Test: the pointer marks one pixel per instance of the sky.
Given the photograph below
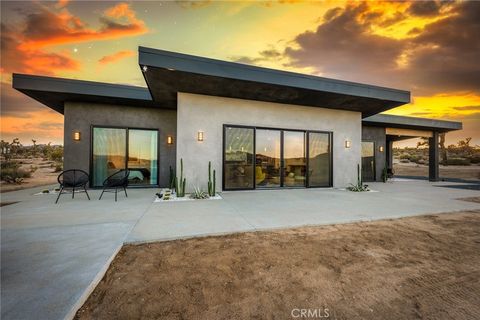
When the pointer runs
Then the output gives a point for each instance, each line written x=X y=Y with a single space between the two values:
x=429 y=48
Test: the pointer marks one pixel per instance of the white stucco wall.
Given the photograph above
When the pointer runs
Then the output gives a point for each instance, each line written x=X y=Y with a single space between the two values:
x=209 y=114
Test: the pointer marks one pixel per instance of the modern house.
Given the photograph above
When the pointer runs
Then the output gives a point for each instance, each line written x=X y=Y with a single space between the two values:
x=260 y=128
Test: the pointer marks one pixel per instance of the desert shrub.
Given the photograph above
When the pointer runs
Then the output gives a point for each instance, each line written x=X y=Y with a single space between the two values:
x=415 y=158
x=58 y=168
x=475 y=158
x=56 y=154
x=404 y=156
x=458 y=162
x=404 y=161
x=11 y=171
x=33 y=168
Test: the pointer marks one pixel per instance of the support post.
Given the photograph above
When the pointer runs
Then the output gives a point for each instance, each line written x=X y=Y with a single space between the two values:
x=433 y=160
x=389 y=154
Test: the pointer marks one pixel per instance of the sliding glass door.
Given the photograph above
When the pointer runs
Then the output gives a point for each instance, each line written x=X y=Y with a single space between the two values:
x=268 y=158
x=114 y=149
x=283 y=158
x=294 y=160
x=142 y=156
x=319 y=159
x=238 y=165
x=109 y=153
x=368 y=161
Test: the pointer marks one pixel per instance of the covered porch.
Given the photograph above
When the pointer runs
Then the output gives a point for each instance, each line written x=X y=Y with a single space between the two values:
x=399 y=128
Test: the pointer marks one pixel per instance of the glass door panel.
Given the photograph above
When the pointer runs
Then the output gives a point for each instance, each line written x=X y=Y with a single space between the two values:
x=319 y=158
x=267 y=162
x=295 y=163
x=368 y=161
x=143 y=157
x=238 y=157
x=109 y=153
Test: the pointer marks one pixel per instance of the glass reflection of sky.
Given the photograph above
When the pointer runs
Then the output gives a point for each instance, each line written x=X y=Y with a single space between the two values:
x=294 y=144
x=268 y=143
x=319 y=144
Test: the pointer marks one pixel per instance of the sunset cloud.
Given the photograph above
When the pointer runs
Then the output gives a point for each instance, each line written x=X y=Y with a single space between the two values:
x=49 y=28
x=116 y=57
x=25 y=46
x=442 y=56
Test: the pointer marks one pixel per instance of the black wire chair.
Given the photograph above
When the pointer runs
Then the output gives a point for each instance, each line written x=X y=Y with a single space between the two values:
x=118 y=180
x=74 y=180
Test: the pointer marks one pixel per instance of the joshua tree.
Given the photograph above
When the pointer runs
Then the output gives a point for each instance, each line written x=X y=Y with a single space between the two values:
x=34 y=152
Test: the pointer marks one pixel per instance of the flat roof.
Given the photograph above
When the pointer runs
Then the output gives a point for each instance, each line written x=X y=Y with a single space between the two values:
x=54 y=92
x=403 y=122
x=170 y=72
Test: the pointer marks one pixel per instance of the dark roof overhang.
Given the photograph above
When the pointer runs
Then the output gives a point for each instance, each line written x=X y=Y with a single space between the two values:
x=167 y=73
x=402 y=122
x=54 y=92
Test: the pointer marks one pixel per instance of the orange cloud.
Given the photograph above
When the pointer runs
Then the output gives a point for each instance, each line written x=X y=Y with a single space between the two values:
x=116 y=56
x=25 y=50
x=48 y=28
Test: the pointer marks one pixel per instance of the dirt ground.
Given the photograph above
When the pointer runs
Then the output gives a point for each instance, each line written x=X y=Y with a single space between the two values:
x=471 y=172
x=43 y=176
x=412 y=268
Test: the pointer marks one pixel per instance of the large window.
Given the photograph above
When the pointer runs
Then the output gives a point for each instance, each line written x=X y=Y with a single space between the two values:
x=114 y=149
x=295 y=162
x=273 y=158
x=142 y=156
x=238 y=169
x=267 y=159
x=319 y=159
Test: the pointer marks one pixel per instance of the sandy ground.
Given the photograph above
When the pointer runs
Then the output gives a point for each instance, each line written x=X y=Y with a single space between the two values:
x=43 y=176
x=471 y=172
x=421 y=267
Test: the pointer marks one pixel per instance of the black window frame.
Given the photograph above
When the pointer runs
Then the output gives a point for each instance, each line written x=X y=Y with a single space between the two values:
x=90 y=170
x=282 y=173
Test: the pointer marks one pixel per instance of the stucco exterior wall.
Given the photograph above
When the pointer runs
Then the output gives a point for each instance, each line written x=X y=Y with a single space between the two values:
x=377 y=135
x=80 y=116
x=208 y=114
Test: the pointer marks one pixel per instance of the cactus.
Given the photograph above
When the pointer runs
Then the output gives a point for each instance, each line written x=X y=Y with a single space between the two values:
x=359 y=187
x=180 y=185
x=211 y=184
x=172 y=178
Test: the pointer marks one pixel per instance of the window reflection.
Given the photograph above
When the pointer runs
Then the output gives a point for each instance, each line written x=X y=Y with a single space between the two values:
x=319 y=159
x=267 y=164
x=294 y=158
x=238 y=164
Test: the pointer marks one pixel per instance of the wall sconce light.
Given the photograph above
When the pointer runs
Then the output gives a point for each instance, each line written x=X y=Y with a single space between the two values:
x=200 y=135
x=347 y=143
x=169 y=140
x=76 y=136
x=381 y=148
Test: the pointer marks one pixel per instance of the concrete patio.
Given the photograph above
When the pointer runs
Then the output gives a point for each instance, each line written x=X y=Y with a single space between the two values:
x=53 y=255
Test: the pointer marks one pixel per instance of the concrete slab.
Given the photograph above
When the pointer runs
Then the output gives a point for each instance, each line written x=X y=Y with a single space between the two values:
x=53 y=255
x=270 y=209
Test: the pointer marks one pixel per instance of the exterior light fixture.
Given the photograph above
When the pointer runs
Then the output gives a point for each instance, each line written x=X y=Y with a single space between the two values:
x=169 y=140
x=76 y=136
x=144 y=68
x=200 y=135
x=380 y=149
x=348 y=143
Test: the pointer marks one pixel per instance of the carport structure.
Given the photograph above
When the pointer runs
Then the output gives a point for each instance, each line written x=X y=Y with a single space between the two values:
x=401 y=128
